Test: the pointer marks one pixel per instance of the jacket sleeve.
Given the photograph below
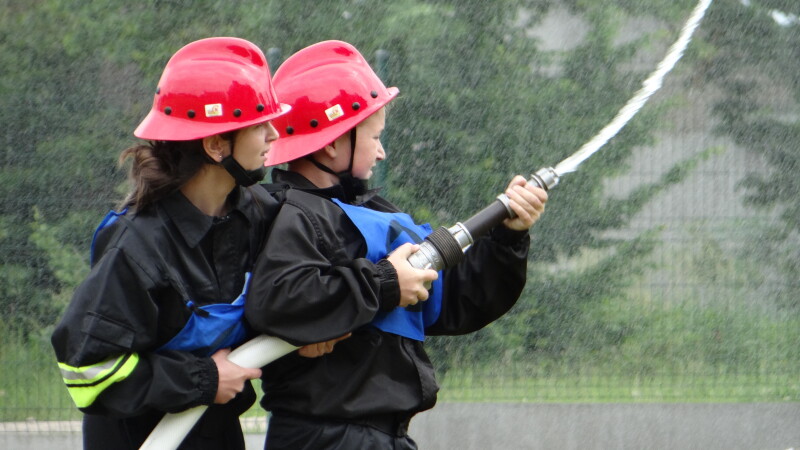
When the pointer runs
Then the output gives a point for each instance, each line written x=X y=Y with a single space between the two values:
x=105 y=345
x=306 y=289
x=485 y=285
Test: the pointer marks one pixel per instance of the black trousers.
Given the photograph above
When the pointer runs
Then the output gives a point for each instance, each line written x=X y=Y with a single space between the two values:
x=293 y=432
x=100 y=433
x=218 y=429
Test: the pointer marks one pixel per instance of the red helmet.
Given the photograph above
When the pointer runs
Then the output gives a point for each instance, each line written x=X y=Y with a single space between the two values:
x=331 y=89
x=208 y=87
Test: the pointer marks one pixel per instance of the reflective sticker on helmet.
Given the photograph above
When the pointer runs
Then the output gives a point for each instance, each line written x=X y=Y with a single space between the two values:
x=334 y=112
x=214 y=110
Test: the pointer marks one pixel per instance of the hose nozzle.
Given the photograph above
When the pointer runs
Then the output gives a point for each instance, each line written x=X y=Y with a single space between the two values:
x=545 y=178
x=445 y=247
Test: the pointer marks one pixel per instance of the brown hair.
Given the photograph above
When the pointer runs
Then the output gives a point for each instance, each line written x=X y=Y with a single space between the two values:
x=158 y=168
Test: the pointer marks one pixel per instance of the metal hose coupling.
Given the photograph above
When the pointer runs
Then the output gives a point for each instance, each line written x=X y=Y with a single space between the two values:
x=443 y=248
x=545 y=178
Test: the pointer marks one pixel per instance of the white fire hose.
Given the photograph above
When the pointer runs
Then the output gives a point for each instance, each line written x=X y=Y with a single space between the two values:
x=253 y=354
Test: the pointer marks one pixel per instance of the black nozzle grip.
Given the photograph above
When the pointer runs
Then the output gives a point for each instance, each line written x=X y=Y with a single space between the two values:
x=486 y=219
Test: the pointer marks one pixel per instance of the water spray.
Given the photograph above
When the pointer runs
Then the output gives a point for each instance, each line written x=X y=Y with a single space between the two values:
x=445 y=247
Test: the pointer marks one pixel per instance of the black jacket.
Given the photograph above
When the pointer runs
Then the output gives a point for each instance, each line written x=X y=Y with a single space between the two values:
x=126 y=308
x=312 y=283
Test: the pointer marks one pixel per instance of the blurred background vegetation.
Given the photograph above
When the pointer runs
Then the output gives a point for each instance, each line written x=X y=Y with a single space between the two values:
x=665 y=269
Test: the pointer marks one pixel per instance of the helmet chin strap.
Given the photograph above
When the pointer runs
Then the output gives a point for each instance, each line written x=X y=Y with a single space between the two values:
x=353 y=187
x=242 y=176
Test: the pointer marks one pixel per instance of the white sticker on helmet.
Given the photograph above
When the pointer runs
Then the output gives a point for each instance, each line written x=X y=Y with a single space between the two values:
x=334 y=112
x=214 y=110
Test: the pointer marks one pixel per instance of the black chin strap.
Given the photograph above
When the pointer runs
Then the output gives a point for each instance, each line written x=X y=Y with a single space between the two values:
x=242 y=176
x=320 y=166
x=353 y=187
x=349 y=171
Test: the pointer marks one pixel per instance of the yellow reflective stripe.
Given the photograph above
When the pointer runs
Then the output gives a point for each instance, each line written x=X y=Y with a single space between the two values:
x=88 y=374
x=85 y=384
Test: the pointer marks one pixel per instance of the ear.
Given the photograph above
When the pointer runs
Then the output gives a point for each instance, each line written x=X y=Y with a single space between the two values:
x=215 y=147
x=330 y=150
x=336 y=147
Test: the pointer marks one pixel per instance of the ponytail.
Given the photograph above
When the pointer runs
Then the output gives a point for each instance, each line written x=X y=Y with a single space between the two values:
x=159 y=168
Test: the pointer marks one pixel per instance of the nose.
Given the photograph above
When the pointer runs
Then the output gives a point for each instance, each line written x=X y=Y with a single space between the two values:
x=272 y=133
x=381 y=152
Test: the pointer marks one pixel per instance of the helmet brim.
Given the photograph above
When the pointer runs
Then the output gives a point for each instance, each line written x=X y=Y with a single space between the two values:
x=158 y=126
x=288 y=148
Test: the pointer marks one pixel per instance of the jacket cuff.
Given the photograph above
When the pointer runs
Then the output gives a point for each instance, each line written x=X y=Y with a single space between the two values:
x=208 y=381
x=389 y=286
x=511 y=238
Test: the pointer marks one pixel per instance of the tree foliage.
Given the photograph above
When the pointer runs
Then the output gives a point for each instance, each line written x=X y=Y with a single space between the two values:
x=754 y=58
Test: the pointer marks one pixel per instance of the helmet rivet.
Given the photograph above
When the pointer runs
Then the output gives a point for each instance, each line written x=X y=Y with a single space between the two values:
x=237 y=112
x=289 y=130
x=314 y=123
x=356 y=106
x=374 y=94
x=167 y=110
x=190 y=113
x=260 y=107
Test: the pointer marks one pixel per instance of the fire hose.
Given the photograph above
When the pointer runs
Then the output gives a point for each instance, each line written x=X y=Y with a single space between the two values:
x=445 y=247
x=255 y=353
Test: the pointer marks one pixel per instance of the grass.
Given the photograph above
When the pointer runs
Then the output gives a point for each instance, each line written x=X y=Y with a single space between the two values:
x=31 y=388
x=30 y=384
